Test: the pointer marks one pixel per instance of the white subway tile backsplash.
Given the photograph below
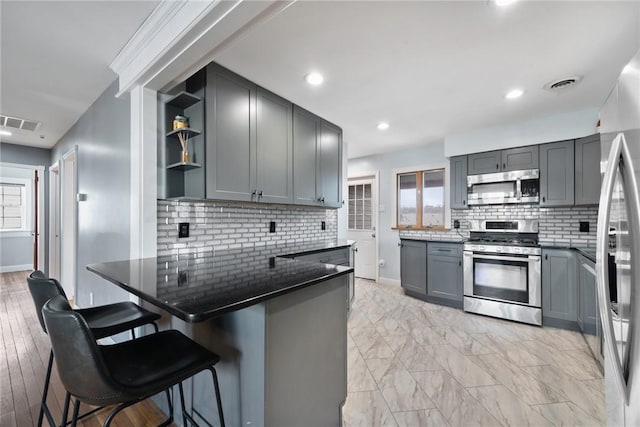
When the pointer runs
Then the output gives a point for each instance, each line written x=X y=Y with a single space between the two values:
x=229 y=225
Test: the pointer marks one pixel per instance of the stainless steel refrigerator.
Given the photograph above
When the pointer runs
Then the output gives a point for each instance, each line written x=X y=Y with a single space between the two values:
x=618 y=251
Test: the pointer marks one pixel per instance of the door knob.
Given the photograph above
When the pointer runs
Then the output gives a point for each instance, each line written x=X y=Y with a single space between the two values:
x=373 y=234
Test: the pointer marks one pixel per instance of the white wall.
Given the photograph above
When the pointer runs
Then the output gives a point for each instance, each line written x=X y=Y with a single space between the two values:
x=535 y=131
x=429 y=156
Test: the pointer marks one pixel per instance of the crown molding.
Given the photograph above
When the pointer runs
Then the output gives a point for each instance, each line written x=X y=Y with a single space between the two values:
x=179 y=36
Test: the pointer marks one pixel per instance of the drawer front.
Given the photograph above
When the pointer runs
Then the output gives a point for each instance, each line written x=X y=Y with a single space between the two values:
x=445 y=249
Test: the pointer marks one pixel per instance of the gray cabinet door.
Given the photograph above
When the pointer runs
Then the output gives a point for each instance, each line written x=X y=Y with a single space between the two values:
x=557 y=174
x=444 y=271
x=587 y=312
x=305 y=144
x=231 y=135
x=458 y=179
x=588 y=170
x=274 y=135
x=330 y=165
x=520 y=158
x=413 y=266
x=559 y=286
x=488 y=162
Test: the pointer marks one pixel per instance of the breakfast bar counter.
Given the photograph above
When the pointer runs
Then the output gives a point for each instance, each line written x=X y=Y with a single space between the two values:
x=279 y=325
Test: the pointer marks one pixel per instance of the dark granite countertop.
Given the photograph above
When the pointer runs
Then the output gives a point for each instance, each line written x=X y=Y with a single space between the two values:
x=206 y=284
x=588 y=252
x=432 y=240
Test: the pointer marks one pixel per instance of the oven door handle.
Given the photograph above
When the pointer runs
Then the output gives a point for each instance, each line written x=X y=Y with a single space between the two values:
x=527 y=258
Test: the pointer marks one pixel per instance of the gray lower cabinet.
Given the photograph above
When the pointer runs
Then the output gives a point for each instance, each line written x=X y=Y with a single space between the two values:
x=317 y=160
x=587 y=299
x=559 y=288
x=458 y=182
x=487 y=162
x=557 y=176
x=274 y=140
x=444 y=273
x=587 y=173
x=520 y=158
x=413 y=266
x=231 y=135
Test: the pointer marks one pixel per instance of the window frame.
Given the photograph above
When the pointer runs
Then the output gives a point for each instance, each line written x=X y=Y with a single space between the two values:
x=419 y=171
x=26 y=206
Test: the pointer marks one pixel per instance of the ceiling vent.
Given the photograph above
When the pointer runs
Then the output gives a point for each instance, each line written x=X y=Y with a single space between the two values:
x=562 y=84
x=17 y=123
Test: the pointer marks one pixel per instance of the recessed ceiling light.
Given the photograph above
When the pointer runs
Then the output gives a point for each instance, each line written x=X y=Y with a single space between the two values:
x=5 y=132
x=314 y=79
x=513 y=94
x=503 y=3
x=383 y=126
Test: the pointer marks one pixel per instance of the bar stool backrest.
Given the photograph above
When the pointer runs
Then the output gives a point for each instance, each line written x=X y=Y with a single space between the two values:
x=78 y=357
x=42 y=289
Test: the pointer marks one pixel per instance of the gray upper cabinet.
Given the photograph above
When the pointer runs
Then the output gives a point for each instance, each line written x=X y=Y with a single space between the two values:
x=413 y=266
x=317 y=160
x=520 y=158
x=444 y=273
x=587 y=174
x=557 y=174
x=559 y=288
x=274 y=137
x=231 y=135
x=305 y=145
x=330 y=165
x=458 y=180
x=488 y=162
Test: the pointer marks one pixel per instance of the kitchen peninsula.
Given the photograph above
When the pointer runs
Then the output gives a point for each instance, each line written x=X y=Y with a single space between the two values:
x=279 y=325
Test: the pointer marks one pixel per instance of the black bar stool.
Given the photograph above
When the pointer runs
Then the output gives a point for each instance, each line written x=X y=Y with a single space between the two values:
x=103 y=321
x=125 y=373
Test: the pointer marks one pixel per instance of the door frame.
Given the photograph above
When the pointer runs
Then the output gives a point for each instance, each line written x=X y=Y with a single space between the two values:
x=40 y=207
x=54 y=220
x=374 y=175
x=70 y=156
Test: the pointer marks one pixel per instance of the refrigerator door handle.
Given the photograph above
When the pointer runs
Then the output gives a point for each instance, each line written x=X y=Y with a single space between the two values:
x=619 y=153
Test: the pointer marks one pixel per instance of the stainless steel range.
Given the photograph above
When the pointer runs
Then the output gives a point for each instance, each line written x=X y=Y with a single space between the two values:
x=502 y=270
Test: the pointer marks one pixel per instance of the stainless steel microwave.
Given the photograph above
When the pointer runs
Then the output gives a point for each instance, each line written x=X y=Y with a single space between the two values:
x=521 y=186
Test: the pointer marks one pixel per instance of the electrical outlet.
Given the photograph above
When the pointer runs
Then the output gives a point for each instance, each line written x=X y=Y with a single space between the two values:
x=323 y=225
x=272 y=227
x=456 y=223
x=584 y=226
x=183 y=229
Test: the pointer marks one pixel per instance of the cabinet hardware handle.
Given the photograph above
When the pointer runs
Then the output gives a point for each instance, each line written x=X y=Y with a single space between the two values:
x=546 y=256
x=544 y=198
x=355 y=249
x=322 y=200
x=399 y=245
x=459 y=263
x=504 y=166
x=253 y=194
x=464 y=202
x=497 y=166
x=260 y=193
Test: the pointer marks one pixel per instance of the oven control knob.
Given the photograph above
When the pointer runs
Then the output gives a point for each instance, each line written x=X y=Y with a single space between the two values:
x=481 y=248
x=498 y=249
x=517 y=250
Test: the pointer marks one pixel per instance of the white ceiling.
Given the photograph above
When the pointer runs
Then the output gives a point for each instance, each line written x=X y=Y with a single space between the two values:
x=430 y=69
x=55 y=58
x=435 y=68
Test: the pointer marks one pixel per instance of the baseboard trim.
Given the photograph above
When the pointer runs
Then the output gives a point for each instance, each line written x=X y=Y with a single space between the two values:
x=388 y=281
x=12 y=268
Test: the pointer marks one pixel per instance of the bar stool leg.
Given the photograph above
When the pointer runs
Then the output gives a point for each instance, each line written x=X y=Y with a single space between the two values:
x=76 y=409
x=65 y=410
x=184 y=410
x=218 y=399
x=45 y=392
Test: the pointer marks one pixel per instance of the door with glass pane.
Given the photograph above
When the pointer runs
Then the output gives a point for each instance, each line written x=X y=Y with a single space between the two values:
x=362 y=225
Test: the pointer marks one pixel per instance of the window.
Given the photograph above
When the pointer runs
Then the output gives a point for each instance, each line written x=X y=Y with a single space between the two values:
x=420 y=199
x=360 y=207
x=12 y=209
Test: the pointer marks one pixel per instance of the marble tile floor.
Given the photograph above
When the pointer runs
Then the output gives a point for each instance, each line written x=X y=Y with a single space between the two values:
x=411 y=363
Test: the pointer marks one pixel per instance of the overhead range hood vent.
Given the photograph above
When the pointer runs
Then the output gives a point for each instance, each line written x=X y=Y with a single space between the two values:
x=18 y=123
x=562 y=84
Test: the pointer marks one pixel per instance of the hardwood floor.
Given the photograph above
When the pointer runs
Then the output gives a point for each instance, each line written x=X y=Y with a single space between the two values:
x=24 y=353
